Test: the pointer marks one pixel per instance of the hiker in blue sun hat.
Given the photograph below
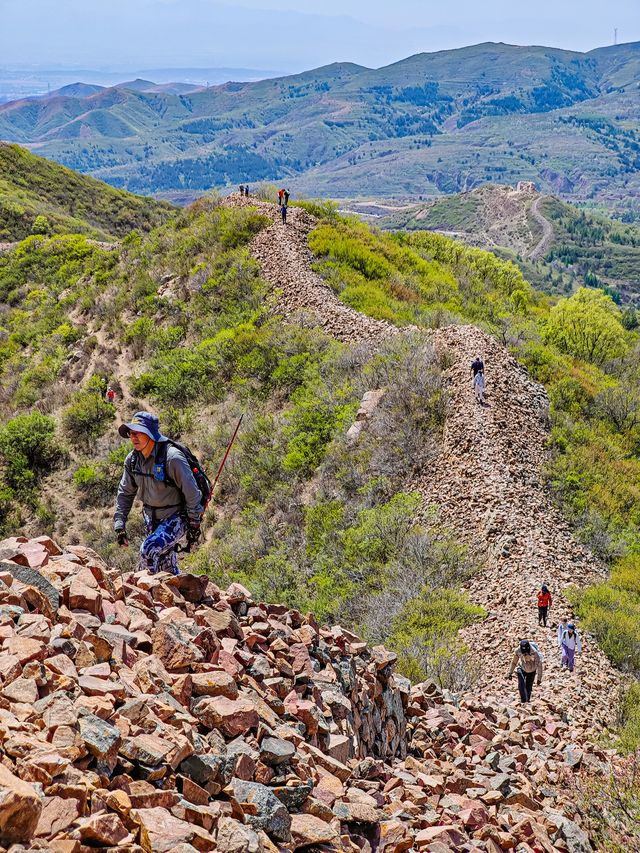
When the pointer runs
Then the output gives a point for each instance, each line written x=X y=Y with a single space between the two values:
x=159 y=472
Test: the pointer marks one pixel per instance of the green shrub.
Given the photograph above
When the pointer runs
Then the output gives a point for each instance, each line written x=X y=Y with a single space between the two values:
x=630 y=718
x=611 y=612
x=87 y=417
x=587 y=325
x=97 y=482
x=29 y=450
x=425 y=636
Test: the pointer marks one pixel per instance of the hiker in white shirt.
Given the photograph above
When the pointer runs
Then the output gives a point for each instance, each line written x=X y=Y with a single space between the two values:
x=570 y=644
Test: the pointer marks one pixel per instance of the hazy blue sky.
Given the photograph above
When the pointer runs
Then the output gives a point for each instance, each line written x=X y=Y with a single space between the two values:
x=291 y=34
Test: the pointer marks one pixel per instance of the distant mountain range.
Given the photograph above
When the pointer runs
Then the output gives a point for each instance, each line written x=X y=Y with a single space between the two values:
x=430 y=124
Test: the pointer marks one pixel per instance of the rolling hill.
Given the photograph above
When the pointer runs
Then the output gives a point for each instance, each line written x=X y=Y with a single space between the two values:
x=66 y=202
x=558 y=246
x=430 y=124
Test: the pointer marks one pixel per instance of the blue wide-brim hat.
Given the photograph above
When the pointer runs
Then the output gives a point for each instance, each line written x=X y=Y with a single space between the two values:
x=143 y=422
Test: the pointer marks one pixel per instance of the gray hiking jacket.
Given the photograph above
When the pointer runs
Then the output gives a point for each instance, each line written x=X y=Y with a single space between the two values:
x=160 y=499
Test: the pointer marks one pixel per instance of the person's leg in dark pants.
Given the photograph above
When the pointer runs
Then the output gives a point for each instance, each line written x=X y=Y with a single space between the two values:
x=522 y=685
x=542 y=616
x=525 y=684
x=529 y=678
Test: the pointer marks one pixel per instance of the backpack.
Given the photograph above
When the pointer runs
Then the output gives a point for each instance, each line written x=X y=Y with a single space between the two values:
x=202 y=481
x=536 y=648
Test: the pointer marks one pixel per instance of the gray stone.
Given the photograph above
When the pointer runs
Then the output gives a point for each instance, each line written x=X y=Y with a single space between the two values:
x=101 y=739
x=272 y=815
x=274 y=751
x=203 y=769
x=573 y=755
x=32 y=577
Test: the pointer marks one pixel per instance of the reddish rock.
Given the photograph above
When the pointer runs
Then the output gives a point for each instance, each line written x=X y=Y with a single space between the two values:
x=307 y=830
x=20 y=808
x=214 y=684
x=103 y=830
x=232 y=716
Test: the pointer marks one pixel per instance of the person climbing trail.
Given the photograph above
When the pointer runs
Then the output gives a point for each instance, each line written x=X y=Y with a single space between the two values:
x=283 y=211
x=528 y=660
x=286 y=197
x=160 y=474
x=570 y=643
x=544 y=603
x=246 y=191
x=110 y=395
x=241 y=189
x=280 y=197
x=477 y=366
x=479 y=386
x=562 y=627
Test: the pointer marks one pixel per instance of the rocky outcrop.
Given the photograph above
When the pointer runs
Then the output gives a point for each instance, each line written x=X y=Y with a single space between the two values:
x=160 y=713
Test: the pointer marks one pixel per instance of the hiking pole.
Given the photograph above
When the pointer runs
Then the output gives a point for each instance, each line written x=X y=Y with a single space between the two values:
x=193 y=541
x=227 y=452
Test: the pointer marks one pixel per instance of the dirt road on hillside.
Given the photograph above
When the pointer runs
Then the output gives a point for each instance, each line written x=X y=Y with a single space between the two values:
x=544 y=244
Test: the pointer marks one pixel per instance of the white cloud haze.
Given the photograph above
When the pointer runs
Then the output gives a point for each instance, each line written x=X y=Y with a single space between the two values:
x=290 y=34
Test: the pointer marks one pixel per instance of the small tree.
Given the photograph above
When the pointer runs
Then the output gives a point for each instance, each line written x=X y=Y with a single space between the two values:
x=40 y=225
x=29 y=450
x=587 y=325
x=86 y=418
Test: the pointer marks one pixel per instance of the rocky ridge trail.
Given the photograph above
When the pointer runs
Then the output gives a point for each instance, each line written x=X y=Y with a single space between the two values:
x=161 y=714
x=487 y=483
x=285 y=260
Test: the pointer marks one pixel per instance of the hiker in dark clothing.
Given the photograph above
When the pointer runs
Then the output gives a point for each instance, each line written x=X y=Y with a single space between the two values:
x=529 y=662
x=246 y=191
x=477 y=366
x=286 y=197
x=241 y=189
x=544 y=603
x=283 y=211
x=172 y=502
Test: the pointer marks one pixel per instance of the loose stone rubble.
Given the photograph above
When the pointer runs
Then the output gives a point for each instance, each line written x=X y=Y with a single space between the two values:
x=160 y=713
x=486 y=483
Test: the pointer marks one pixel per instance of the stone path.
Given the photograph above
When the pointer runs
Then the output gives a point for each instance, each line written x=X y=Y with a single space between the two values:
x=486 y=482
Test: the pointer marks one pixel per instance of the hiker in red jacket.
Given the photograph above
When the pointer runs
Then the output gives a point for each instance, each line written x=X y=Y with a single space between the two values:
x=544 y=603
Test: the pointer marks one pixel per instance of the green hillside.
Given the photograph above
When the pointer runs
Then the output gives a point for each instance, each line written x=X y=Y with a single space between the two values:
x=38 y=196
x=179 y=321
x=584 y=246
x=430 y=124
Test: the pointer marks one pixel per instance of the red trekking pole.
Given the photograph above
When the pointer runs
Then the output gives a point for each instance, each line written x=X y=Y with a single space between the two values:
x=227 y=452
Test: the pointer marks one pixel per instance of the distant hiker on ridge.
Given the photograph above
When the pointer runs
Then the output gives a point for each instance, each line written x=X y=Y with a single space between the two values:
x=570 y=643
x=241 y=189
x=286 y=197
x=479 y=386
x=246 y=191
x=544 y=603
x=280 y=197
x=529 y=662
x=477 y=366
x=172 y=499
